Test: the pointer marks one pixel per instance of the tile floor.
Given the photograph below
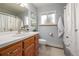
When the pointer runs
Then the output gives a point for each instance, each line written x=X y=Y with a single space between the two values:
x=50 y=51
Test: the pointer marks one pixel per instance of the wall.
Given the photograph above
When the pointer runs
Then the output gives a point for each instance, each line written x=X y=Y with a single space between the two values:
x=45 y=30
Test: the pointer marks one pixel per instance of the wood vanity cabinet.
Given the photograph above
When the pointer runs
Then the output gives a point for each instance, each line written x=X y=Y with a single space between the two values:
x=26 y=47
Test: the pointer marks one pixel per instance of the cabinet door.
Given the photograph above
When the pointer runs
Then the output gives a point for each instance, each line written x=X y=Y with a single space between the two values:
x=29 y=51
x=36 y=45
x=15 y=50
x=28 y=42
x=5 y=53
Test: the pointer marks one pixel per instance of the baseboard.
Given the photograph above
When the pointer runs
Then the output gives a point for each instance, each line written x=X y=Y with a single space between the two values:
x=53 y=46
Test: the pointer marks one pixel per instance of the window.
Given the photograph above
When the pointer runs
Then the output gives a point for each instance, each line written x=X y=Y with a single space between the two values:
x=43 y=19
x=48 y=19
x=51 y=18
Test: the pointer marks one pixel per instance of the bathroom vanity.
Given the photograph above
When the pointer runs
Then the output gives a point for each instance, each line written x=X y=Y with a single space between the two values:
x=20 y=45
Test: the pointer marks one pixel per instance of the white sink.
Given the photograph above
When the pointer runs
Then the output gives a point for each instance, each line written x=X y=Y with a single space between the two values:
x=21 y=35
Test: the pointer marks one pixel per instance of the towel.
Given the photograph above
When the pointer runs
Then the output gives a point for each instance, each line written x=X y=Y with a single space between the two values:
x=60 y=27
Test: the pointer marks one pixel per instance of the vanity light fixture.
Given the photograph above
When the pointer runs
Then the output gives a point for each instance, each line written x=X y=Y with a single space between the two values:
x=23 y=5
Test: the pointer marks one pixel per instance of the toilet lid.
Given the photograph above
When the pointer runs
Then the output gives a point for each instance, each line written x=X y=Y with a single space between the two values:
x=42 y=40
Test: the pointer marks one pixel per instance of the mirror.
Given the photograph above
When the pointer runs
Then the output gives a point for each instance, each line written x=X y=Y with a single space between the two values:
x=11 y=17
x=33 y=21
x=9 y=22
x=30 y=21
x=25 y=18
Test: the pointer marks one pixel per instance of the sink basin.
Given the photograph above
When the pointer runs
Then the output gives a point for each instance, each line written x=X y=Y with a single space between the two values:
x=21 y=35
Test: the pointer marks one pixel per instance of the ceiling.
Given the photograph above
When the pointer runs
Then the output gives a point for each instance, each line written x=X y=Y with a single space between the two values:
x=40 y=5
x=12 y=7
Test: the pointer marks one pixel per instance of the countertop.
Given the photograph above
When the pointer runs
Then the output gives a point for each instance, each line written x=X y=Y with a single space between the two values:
x=6 y=40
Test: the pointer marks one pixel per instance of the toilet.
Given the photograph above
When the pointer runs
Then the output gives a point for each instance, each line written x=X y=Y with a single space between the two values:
x=42 y=41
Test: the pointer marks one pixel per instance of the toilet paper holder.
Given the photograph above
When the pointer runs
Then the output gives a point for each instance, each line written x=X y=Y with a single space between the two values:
x=51 y=34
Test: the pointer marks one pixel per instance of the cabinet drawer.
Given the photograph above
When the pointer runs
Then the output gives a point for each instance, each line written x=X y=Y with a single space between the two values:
x=29 y=51
x=14 y=50
x=28 y=42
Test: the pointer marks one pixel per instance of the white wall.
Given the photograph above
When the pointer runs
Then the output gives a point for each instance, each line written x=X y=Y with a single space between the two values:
x=45 y=30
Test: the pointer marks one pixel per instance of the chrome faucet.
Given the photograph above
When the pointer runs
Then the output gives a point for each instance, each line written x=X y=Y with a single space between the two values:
x=24 y=28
